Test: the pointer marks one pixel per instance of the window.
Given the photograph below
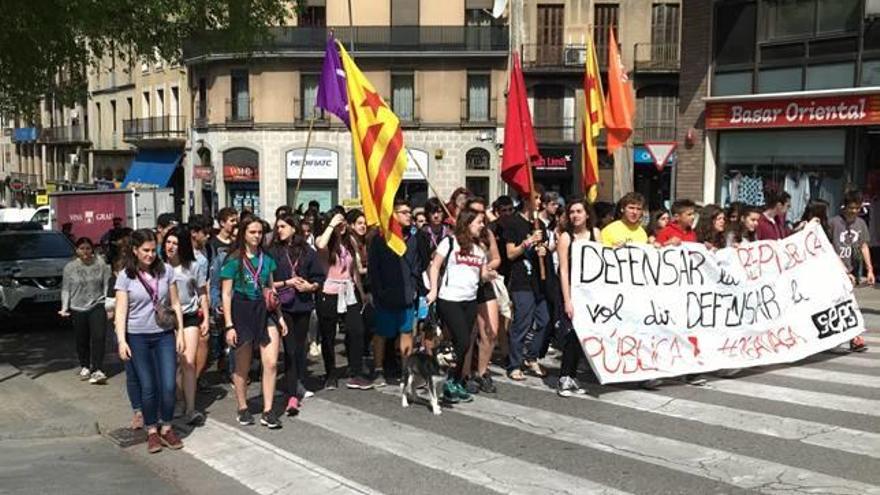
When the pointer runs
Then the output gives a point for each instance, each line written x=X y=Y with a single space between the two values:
x=309 y=97
x=113 y=114
x=871 y=73
x=735 y=33
x=799 y=18
x=479 y=16
x=130 y=107
x=830 y=76
x=780 y=80
x=313 y=16
x=240 y=97
x=551 y=20
x=160 y=102
x=657 y=108
x=477 y=159
x=98 y=118
x=404 y=12
x=202 y=106
x=478 y=97
x=664 y=28
x=604 y=18
x=478 y=186
x=838 y=15
x=145 y=104
x=403 y=96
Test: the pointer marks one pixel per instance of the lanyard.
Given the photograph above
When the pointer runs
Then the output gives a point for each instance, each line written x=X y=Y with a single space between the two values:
x=254 y=273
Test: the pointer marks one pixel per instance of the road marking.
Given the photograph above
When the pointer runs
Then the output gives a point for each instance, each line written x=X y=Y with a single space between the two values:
x=483 y=467
x=718 y=465
x=809 y=432
x=821 y=375
x=871 y=339
x=858 y=362
x=821 y=400
x=261 y=466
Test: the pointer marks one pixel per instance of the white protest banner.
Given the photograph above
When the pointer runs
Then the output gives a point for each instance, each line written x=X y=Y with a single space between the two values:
x=643 y=313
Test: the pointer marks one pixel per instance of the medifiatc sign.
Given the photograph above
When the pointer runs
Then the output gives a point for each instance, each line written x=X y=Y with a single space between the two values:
x=643 y=313
x=797 y=112
x=321 y=163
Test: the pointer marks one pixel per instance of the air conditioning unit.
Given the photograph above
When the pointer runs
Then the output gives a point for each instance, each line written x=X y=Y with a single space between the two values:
x=575 y=56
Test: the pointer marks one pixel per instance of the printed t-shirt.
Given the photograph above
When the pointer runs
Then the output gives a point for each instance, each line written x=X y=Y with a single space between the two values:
x=848 y=239
x=461 y=279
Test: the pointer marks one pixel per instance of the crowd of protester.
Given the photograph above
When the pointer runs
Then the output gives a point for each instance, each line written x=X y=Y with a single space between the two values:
x=222 y=291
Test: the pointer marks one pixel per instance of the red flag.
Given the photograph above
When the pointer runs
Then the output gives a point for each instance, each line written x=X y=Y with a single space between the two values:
x=620 y=105
x=520 y=148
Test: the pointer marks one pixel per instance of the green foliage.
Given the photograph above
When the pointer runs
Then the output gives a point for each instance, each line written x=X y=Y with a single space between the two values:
x=47 y=46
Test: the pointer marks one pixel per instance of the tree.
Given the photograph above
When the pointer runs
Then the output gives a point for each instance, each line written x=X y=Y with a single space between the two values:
x=47 y=46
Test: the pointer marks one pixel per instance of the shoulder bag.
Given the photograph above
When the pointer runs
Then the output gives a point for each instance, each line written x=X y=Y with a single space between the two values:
x=166 y=319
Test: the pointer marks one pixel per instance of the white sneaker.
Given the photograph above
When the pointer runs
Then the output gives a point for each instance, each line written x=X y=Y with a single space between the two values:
x=85 y=374
x=98 y=378
x=566 y=387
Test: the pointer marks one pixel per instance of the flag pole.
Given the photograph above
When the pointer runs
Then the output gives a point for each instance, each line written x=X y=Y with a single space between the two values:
x=430 y=186
x=302 y=165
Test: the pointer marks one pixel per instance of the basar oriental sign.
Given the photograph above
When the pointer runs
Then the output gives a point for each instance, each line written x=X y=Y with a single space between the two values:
x=795 y=112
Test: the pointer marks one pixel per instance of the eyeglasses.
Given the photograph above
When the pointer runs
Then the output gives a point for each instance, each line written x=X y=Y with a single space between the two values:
x=404 y=212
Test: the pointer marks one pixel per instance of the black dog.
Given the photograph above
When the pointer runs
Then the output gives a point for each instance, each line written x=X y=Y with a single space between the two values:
x=421 y=368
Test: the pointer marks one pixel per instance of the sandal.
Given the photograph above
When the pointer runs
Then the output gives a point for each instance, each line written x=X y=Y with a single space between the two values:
x=516 y=375
x=137 y=421
x=535 y=369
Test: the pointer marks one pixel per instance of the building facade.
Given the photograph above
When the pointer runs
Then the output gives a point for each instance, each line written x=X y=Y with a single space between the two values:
x=555 y=35
x=780 y=96
x=440 y=66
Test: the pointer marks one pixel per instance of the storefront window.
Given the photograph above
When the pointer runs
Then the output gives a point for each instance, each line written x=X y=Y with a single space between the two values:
x=732 y=83
x=241 y=173
x=871 y=73
x=808 y=164
x=780 y=80
x=831 y=76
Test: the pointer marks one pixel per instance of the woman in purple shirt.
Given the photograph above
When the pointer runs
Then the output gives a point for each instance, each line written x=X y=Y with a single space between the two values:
x=145 y=285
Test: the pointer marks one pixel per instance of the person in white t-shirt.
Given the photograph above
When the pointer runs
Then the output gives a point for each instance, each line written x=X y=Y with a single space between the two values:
x=463 y=263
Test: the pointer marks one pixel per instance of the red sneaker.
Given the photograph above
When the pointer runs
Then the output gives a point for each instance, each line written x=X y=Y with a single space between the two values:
x=858 y=344
x=154 y=443
x=171 y=440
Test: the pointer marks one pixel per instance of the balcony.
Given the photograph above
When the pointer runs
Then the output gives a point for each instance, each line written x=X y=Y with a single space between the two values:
x=164 y=128
x=555 y=57
x=240 y=112
x=656 y=57
x=437 y=41
x=562 y=131
x=649 y=133
x=478 y=116
x=303 y=114
x=68 y=134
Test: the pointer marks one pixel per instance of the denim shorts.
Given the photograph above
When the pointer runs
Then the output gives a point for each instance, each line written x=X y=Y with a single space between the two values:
x=390 y=323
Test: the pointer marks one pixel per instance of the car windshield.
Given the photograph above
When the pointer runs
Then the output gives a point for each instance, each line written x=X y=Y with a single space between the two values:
x=33 y=245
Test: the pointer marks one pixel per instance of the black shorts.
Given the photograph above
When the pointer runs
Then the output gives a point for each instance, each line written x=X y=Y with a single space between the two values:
x=486 y=292
x=250 y=318
x=191 y=320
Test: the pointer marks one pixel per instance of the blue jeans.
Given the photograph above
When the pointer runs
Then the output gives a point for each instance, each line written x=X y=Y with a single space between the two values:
x=133 y=387
x=529 y=311
x=154 y=358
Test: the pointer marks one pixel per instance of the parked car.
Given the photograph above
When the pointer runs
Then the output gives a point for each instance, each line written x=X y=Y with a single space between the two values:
x=31 y=266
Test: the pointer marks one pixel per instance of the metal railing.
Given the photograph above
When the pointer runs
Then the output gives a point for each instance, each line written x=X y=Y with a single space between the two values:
x=563 y=130
x=656 y=57
x=555 y=56
x=64 y=134
x=648 y=133
x=240 y=111
x=474 y=116
x=164 y=127
x=365 y=39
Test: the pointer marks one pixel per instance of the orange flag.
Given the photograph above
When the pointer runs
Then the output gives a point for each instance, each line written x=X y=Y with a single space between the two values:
x=620 y=104
x=593 y=123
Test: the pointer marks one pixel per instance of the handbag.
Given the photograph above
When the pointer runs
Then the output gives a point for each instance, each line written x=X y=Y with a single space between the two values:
x=270 y=297
x=286 y=295
x=166 y=319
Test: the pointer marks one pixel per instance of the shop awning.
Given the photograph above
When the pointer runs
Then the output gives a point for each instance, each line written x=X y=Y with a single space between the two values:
x=151 y=168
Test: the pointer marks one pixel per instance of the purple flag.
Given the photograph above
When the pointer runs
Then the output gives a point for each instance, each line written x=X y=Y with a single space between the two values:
x=332 y=91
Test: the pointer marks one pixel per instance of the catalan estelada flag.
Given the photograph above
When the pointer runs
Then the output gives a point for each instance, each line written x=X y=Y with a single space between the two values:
x=594 y=121
x=379 y=154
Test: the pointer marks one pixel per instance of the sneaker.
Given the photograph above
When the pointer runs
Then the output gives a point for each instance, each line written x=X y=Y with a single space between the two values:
x=137 y=421
x=651 y=384
x=195 y=418
x=84 y=374
x=292 y=408
x=202 y=384
x=98 y=378
x=534 y=368
x=858 y=344
x=378 y=379
x=359 y=383
x=154 y=443
x=695 y=380
x=330 y=383
x=245 y=417
x=487 y=385
x=473 y=384
x=270 y=420
x=460 y=393
x=314 y=350
x=449 y=392
x=171 y=440
x=566 y=386
x=308 y=394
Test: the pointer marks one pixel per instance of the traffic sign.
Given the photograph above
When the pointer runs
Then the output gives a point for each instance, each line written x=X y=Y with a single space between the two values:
x=660 y=152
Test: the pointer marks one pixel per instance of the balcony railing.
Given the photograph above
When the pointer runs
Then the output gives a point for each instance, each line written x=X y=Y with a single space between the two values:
x=564 y=130
x=64 y=134
x=542 y=56
x=414 y=39
x=656 y=57
x=240 y=111
x=478 y=115
x=303 y=114
x=648 y=133
x=165 y=127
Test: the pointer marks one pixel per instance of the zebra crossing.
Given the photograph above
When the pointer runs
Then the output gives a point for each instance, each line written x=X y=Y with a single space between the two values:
x=740 y=435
